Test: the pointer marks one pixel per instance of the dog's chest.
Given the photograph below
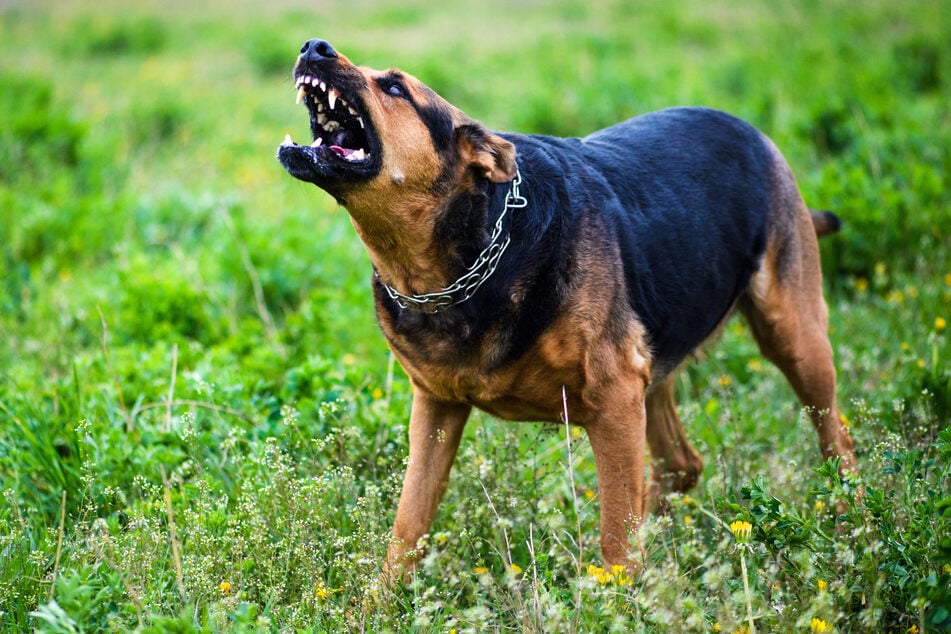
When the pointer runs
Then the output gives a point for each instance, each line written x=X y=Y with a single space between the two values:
x=566 y=367
x=515 y=393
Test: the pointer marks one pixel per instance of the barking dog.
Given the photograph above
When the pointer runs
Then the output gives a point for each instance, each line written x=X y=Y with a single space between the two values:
x=508 y=268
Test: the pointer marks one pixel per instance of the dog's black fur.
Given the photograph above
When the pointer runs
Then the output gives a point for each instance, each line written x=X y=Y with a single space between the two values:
x=635 y=244
x=683 y=192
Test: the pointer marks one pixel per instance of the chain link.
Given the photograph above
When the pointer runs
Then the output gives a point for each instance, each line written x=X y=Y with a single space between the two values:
x=480 y=271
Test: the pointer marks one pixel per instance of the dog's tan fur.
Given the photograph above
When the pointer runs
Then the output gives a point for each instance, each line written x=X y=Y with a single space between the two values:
x=613 y=390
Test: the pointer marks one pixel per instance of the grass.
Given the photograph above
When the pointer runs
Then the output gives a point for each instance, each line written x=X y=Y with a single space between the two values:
x=202 y=430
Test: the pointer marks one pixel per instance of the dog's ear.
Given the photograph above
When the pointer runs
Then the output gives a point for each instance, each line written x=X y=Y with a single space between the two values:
x=489 y=155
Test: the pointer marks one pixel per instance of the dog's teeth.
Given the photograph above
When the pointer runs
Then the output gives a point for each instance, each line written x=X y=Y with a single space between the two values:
x=317 y=142
x=323 y=86
x=332 y=97
x=321 y=119
x=314 y=82
x=320 y=106
x=359 y=155
x=352 y=111
x=360 y=119
x=301 y=94
x=287 y=140
x=332 y=126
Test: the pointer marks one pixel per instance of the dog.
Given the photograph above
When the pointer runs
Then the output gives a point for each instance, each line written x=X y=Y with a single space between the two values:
x=527 y=275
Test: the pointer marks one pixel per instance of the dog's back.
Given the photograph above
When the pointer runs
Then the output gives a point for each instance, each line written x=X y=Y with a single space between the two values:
x=686 y=195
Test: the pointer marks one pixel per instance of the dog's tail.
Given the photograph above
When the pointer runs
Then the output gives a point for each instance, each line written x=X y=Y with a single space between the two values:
x=825 y=222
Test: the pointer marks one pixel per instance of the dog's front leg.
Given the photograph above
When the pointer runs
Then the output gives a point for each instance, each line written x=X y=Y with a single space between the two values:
x=435 y=428
x=618 y=441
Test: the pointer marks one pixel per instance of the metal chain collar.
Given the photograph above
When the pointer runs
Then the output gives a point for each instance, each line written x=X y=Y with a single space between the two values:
x=481 y=270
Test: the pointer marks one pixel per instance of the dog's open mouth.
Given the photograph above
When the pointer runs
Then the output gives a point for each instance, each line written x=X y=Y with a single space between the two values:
x=341 y=134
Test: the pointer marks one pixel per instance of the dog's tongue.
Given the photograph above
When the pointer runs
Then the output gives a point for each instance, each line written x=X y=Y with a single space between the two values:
x=341 y=151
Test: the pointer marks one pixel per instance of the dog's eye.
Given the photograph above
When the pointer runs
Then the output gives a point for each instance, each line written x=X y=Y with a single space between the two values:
x=396 y=89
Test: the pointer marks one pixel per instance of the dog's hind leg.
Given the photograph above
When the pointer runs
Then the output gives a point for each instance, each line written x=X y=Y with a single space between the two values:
x=789 y=319
x=675 y=464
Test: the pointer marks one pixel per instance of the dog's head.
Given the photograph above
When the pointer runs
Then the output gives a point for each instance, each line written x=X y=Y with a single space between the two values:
x=383 y=136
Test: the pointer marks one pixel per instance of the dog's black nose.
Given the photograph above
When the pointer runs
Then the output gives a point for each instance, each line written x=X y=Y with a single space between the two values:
x=316 y=50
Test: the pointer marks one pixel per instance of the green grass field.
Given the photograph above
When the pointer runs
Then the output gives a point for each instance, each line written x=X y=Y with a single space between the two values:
x=202 y=430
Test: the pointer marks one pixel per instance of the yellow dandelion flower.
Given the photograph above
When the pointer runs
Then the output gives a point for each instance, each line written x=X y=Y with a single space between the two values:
x=575 y=432
x=913 y=629
x=348 y=359
x=686 y=500
x=225 y=587
x=688 y=520
x=755 y=365
x=724 y=381
x=588 y=493
x=905 y=347
x=603 y=577
x=742 y=531
x=717 y=627
x=861 y=285
x=322 y=591
x=920 y=363
x=822 y=585
x=940 y=324
x=818 y=625
x=947 y=568
x=743 y=629
x=516 y=569
x=819 y=506
x=619 y=575
x=377 y=394
x=947 y=279
x=895 y=297
x=844 y=420
x=480 y=570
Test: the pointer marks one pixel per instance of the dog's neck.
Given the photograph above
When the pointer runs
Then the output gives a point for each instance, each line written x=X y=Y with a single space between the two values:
x=425 y=246
x=402 y=253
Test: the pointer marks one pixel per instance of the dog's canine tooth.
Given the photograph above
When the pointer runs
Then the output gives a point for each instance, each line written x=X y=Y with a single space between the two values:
x=332 y=97
x=301 y=93
x=317 y=142
x=360 y=119
x=352 y=111
x=287 y=140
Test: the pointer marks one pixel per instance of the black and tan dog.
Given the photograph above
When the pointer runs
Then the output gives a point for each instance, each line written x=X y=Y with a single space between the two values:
x=508 y=268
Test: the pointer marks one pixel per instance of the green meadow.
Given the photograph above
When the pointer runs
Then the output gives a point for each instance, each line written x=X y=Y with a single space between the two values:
x=202 y=430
